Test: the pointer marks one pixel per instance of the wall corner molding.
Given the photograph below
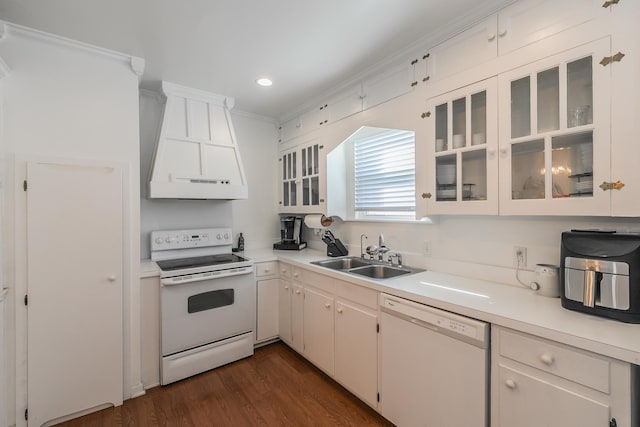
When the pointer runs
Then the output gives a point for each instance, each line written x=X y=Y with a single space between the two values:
x=137 y=66
x=153 y=95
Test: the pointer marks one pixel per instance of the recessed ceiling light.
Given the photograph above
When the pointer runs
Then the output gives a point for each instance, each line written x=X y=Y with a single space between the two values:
x=263 y=81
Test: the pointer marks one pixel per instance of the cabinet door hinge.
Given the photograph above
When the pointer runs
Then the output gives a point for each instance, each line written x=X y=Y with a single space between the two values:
x=24 y=185
x=609 y=3
x=26 y=414
x=26 y=299
x=378 y=397
x=378 y=327
x=609 y=59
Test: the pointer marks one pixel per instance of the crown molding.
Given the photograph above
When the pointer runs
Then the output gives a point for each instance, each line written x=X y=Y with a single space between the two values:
x=11 y=29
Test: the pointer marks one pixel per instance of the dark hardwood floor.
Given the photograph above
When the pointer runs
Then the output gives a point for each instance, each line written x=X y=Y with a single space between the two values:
x=275 y=387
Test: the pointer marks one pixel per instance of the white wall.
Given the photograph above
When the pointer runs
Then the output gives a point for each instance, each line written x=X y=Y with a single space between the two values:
x=255 y=217
x=62 y=100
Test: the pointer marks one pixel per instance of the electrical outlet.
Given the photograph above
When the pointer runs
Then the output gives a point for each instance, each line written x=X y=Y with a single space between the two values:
x=426 y=247
x=520 y=256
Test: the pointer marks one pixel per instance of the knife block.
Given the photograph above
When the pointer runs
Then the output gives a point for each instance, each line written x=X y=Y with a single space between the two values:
x=336 y=249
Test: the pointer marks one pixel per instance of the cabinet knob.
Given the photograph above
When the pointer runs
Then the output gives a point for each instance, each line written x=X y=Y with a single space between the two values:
x=510 y=384
x=502 y=33
x=491 y=37
x=297 y=291
x=111 y=278
x=491 y=153
x=295 y=274
x=339 y=310
x=286 y=288
x=327 y=305
x=547 y=359
x=266 y=270
x=503 y=151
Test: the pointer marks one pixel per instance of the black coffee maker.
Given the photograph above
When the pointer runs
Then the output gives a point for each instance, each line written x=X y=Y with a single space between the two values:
x=290 y=234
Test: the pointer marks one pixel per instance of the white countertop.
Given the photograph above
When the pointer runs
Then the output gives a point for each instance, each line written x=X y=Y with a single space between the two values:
x=504 y=305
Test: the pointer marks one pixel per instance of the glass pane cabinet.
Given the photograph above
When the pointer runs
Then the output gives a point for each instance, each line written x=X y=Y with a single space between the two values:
x=462 y=141
x=555 y=146
x=300 y=170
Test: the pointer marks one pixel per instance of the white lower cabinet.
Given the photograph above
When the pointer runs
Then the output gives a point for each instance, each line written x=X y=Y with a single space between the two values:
x=536 y=382
x=318 y=329
x=356 y=350
x=297 y=319
x=267 y=301
x=284 y=310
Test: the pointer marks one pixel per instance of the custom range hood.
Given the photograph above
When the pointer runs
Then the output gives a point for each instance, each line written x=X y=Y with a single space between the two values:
x=197 y=155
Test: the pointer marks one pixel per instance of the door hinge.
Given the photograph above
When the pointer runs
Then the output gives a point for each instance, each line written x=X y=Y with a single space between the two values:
x=26 y=299
x=609 y=59
x=611 y=185
x=26 y=414
x=378 y=397
x=609 y=3
x=378 y=327
x=24 y=185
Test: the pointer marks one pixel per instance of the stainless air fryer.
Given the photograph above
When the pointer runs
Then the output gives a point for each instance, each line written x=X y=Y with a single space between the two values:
x=600 y=273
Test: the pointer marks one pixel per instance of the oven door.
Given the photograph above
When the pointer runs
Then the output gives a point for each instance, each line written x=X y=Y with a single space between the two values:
x=199 y=312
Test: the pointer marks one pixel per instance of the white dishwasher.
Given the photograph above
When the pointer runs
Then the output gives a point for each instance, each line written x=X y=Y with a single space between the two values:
x=434 y=366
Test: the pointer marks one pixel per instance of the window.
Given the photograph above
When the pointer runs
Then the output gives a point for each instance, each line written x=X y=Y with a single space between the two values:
x=384 y=175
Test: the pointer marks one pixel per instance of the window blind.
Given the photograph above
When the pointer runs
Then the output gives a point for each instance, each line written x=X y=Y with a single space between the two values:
x=384 y=173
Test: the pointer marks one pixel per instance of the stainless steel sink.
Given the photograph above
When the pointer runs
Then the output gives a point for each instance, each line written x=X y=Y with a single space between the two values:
x=342 y=263
x=380 y=271
x=368 y=268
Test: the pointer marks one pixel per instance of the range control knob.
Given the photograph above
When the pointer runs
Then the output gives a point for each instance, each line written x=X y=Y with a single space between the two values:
x=226 y=236
x=219 y=236
x=159 y=240
x=168 y=240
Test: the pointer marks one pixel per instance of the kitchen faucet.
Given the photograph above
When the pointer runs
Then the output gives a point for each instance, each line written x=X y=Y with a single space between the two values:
x=382 y=249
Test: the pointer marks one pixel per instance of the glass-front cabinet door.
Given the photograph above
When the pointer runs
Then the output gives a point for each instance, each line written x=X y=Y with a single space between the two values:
x=462 y=141
x=555 y=134
x=300 y=171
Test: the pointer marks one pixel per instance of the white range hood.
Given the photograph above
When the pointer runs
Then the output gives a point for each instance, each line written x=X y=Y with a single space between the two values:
x=197 y=155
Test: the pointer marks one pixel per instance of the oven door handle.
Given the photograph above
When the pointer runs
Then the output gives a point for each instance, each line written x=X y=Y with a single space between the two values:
x=210 y=275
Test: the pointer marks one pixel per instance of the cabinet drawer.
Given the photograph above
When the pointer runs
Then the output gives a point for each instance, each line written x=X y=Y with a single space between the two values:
x=266 y=268
x=358 y=294
x=285 y=270
x=312 y=278
x=572 y=364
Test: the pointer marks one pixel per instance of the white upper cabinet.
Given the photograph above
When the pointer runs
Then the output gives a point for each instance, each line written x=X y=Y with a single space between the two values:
x=555 y=134
x=302 y=183
x=472 y=47
x=529 y=21
x=387 y=85
x=462 y=141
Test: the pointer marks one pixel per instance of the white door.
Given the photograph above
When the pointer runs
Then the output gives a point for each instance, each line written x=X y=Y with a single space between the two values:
x=267 y=307
x=284 y=311
x=318 y=329
x=74 y=285
x=356 y=349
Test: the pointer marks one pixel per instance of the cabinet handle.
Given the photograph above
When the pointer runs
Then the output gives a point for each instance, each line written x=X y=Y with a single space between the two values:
x=327 y=305
x=547 y=359
x=426 y=195
x=511 y=384
x=611 y=185
x=609 y=3
x=609 y=59
x=502 y=33
x=491 y=37
x=339 y=310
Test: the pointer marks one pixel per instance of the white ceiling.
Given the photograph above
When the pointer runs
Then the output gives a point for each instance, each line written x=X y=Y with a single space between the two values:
x=307 y=48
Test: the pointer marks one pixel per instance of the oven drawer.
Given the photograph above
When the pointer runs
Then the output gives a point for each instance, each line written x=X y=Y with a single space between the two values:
x=266 y=268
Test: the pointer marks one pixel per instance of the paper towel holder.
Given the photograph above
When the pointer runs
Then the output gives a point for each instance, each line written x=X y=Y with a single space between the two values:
x=317 y=222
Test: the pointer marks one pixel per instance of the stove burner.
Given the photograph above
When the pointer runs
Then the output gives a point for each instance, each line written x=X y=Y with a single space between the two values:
x=200 y=261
